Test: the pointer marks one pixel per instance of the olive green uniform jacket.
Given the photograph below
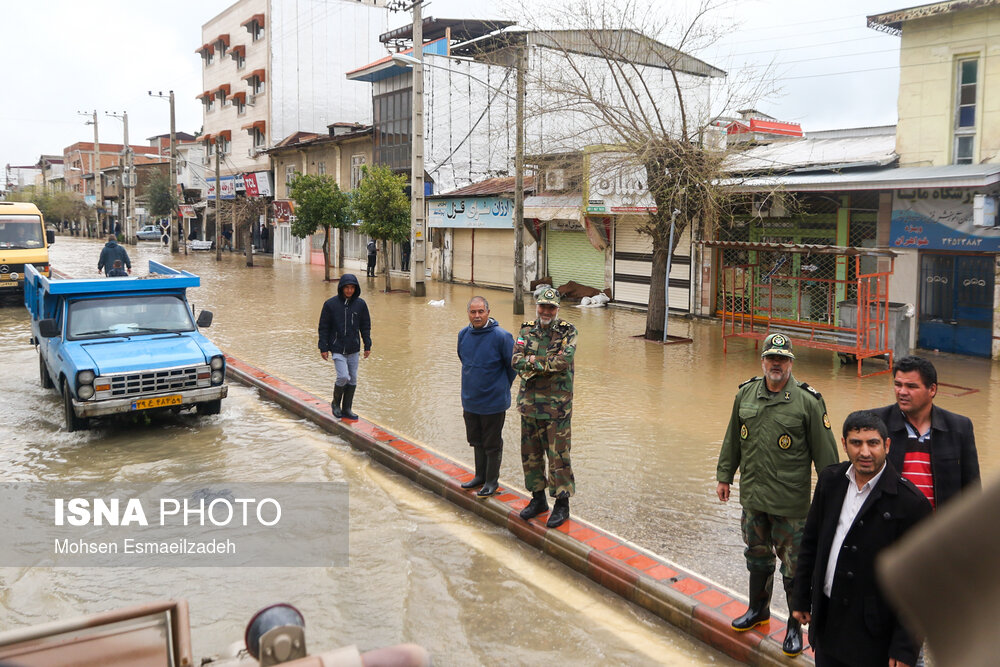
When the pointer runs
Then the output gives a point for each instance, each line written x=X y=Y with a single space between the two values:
x=547 y=383
x=772 y=440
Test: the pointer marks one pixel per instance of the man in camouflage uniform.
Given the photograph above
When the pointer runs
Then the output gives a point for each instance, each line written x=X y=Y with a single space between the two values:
x=543 y=357
x=778 y=426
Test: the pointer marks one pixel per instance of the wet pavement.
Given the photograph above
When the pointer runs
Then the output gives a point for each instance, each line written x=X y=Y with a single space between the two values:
x=420 y=570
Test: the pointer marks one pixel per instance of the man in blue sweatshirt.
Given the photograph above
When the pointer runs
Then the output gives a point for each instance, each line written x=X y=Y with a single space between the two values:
x=485 y=350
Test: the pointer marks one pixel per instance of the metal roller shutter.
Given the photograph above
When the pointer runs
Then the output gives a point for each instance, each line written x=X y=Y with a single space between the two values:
x=494 y=257
x=571 y=257
x=462 y=255
x=634 y=263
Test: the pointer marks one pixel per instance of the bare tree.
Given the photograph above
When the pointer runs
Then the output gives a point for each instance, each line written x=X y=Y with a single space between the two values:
x=620 y=73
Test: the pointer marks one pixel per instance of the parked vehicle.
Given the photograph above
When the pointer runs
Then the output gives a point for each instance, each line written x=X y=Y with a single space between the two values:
x=24 y=241
x=150 y=233
x=124 y=345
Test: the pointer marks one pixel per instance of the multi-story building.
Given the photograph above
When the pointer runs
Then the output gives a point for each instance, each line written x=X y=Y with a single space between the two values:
x=50 y=178
x=272 y=68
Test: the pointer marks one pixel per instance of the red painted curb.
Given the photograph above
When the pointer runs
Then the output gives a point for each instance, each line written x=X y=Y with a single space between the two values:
x=679 y=597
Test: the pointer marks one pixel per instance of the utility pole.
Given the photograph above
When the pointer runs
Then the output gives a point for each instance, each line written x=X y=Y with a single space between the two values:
x=418 y=229
x=520 y=53
x=126 y=207
x=96 y=166
x=173 y=177
x=218 y=213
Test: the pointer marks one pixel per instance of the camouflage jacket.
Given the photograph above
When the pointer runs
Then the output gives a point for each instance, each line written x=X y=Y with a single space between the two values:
x=547 y=382
x=771 y=440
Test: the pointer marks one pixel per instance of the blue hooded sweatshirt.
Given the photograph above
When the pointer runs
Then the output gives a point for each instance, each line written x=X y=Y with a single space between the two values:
x=486 y=371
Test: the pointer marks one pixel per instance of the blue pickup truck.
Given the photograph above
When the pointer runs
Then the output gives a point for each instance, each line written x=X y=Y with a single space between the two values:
x=119 y=345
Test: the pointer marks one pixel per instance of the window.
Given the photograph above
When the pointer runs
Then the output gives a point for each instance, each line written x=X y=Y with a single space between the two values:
x=259 y=141
x=321 y=168
x=967 y=79
x=225 y=145
x=392 y=129
x=241 y=104
x=241 y=60
x=208 y=57
x=289 y=177
x=357 y=161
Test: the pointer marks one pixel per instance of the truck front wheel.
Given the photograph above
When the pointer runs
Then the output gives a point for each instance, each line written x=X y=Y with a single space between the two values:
x=43 y=374
x=210 y=407
x=73 y=423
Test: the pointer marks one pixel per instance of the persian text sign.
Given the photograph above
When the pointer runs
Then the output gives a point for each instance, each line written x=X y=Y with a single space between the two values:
x=174 y=525
x=618 y=185
x=939 y=219
x=474 y=212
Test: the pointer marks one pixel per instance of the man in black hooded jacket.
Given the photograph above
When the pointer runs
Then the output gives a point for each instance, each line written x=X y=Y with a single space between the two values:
x=343 y=323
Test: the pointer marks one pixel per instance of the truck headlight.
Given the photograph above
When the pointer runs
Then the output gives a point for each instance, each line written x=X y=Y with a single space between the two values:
x=85 y=377
x=85 y=392
x=217 y=377
x=218 y=363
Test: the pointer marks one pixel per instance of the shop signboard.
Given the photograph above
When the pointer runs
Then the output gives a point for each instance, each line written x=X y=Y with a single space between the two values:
x=618 y=185
x=472 y=212
x=939 y=219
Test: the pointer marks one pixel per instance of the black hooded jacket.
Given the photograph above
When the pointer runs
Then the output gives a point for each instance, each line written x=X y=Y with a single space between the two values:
x=344 y=322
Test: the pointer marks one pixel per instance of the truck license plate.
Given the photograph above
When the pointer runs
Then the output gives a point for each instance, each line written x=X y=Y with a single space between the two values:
x=158 y=402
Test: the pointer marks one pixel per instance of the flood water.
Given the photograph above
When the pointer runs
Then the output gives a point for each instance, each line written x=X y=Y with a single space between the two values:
x=420 y=570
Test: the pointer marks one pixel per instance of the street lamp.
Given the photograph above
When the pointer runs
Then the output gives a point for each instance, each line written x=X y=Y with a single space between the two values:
x=410 y=61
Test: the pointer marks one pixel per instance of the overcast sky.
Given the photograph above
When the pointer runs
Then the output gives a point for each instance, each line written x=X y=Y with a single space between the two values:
x=65 y=56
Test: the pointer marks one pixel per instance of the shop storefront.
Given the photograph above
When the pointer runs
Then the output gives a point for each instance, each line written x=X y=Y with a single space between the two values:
x=479 y=231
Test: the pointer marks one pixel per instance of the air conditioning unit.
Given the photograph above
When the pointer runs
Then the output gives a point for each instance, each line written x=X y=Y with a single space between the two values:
x=984 y=211
x=555 y=179
x=251 y=100
x=252 y=152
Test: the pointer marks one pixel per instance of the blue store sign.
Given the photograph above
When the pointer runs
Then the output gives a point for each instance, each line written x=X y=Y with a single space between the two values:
x=939 y=219
x=471 y=212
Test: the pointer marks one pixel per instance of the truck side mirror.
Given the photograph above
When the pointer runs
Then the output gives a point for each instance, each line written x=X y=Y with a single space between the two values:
x=50 y=236
x=204 y=319
x=48 y=328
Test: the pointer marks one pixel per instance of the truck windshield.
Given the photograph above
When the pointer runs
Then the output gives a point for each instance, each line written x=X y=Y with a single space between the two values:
x=128 y=316
x=21 y=231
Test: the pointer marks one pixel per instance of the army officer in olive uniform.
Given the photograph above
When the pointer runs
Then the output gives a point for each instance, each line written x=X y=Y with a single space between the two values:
x=778 y=427
x=543 y=357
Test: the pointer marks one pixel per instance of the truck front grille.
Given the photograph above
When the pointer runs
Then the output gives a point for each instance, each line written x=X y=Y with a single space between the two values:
x=160 y=381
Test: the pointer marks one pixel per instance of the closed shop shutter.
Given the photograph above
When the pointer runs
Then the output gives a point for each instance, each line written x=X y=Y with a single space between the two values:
x=634 y=264
x=571 y=257
x=462 y=255
x=494 y=265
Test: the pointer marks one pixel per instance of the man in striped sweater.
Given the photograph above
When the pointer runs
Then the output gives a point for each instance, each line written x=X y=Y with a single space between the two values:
x=932 y=447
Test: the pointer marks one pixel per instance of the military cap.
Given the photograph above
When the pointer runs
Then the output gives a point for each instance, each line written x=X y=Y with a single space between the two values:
x=550 y=296
x=778 y=345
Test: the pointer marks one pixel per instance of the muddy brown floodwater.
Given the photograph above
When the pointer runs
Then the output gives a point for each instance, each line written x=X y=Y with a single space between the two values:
x=420 y=569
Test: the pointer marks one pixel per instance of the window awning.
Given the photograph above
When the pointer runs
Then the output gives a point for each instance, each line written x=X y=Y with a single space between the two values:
x=208 y=138
x=204 y=96
x=558 y=207
x=256 y=125
x=226 y=135
x=240 y=97
x=222 y=91
x=256 y=18
x=224 y=39
x=210 y=48
x=258 y=73
x=238 y=51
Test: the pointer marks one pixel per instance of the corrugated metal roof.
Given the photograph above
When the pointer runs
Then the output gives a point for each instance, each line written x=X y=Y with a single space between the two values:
x=892 y=22
x=808 y=153
x=955 y=175
x=489 y=187
x=799 y=247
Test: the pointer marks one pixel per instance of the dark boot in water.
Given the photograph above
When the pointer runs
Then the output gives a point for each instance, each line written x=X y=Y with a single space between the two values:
x=792 y=646
x=560 y=512
x=349 y=390
x=537 y=505
x=760 y=602
x=492 y=474
x=338 y=396
x=480 y=477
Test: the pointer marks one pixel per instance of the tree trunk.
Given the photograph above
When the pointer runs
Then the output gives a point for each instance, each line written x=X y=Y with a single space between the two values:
x=326 y=254
x=657 y=294
x=385 y=266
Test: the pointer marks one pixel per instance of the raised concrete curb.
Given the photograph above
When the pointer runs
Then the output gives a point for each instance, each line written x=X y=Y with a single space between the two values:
x=693 y=604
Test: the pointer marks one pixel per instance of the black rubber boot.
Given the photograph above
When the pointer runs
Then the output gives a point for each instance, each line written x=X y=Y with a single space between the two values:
x=537 y=505
x=560 y=512
x=792 y=646
x=338 y=396
x=492 y=474
x=760 y=602
x=480 y=477
x=349 y=390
